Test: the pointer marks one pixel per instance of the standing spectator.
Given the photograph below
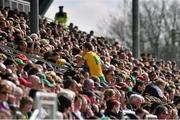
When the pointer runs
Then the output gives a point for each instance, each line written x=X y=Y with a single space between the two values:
x=93 y=61
x=61 y=16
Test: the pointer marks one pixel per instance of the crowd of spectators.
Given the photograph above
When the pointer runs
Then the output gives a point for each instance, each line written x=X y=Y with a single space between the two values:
x=131 y=88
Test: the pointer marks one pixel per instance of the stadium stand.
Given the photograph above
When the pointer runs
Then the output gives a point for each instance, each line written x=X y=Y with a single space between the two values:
x=54 y=62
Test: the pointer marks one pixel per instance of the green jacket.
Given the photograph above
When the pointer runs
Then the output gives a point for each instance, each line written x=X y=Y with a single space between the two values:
x=61 y=18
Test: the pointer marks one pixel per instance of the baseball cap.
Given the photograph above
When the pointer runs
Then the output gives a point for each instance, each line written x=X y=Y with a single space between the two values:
x=44 y=80
x=23 y=57
x=61 y=62
x=19 y=61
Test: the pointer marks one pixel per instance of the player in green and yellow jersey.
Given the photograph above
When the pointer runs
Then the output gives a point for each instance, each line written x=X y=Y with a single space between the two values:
x=93 y=61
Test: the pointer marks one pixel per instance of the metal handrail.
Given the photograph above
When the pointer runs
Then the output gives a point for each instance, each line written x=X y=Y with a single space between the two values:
x=34 y=115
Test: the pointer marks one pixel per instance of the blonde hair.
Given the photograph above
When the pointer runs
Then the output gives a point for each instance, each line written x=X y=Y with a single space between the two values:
x=160 y=82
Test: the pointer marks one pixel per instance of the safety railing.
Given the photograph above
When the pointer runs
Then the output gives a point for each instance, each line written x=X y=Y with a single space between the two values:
x=21 y=5
x=45 y=106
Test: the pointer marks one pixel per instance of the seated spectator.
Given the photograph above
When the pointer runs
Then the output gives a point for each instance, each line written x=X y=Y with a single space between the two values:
x=35 y=82
x=5 y=115
x=109 y=94
x=56 y=64
x=174 y=114
x=139 y=87
x=26 y=105
x=4 y=92
x=88 y=85
x=22 y=46
x=84 y=106
x=162 y=112
x=2 y=68
x=77 y=107
x=11 y=64
x=84 y=74
x=141 y=113
x=78 y=62
x=71 y=85
x=171 y=93
x=135 y=101
x=113 y=110
x=30 y=47
x=110 y=77
x=18 y=96
x=37 y=48
x=156 y=89
x=65 y=102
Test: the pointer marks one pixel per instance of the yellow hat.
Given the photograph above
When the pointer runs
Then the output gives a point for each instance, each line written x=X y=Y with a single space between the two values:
x=61 y=62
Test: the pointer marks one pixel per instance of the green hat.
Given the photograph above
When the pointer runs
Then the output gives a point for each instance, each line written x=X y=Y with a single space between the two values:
x=129 y=89
x=19 y=61
x=44 y=80
x=133 y=79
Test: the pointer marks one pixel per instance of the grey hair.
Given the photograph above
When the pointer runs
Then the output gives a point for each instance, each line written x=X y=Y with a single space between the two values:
x=67 y=93
x=135 y=97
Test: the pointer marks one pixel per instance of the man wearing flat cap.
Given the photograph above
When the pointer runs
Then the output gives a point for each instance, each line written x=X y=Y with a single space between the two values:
x=61 y=16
